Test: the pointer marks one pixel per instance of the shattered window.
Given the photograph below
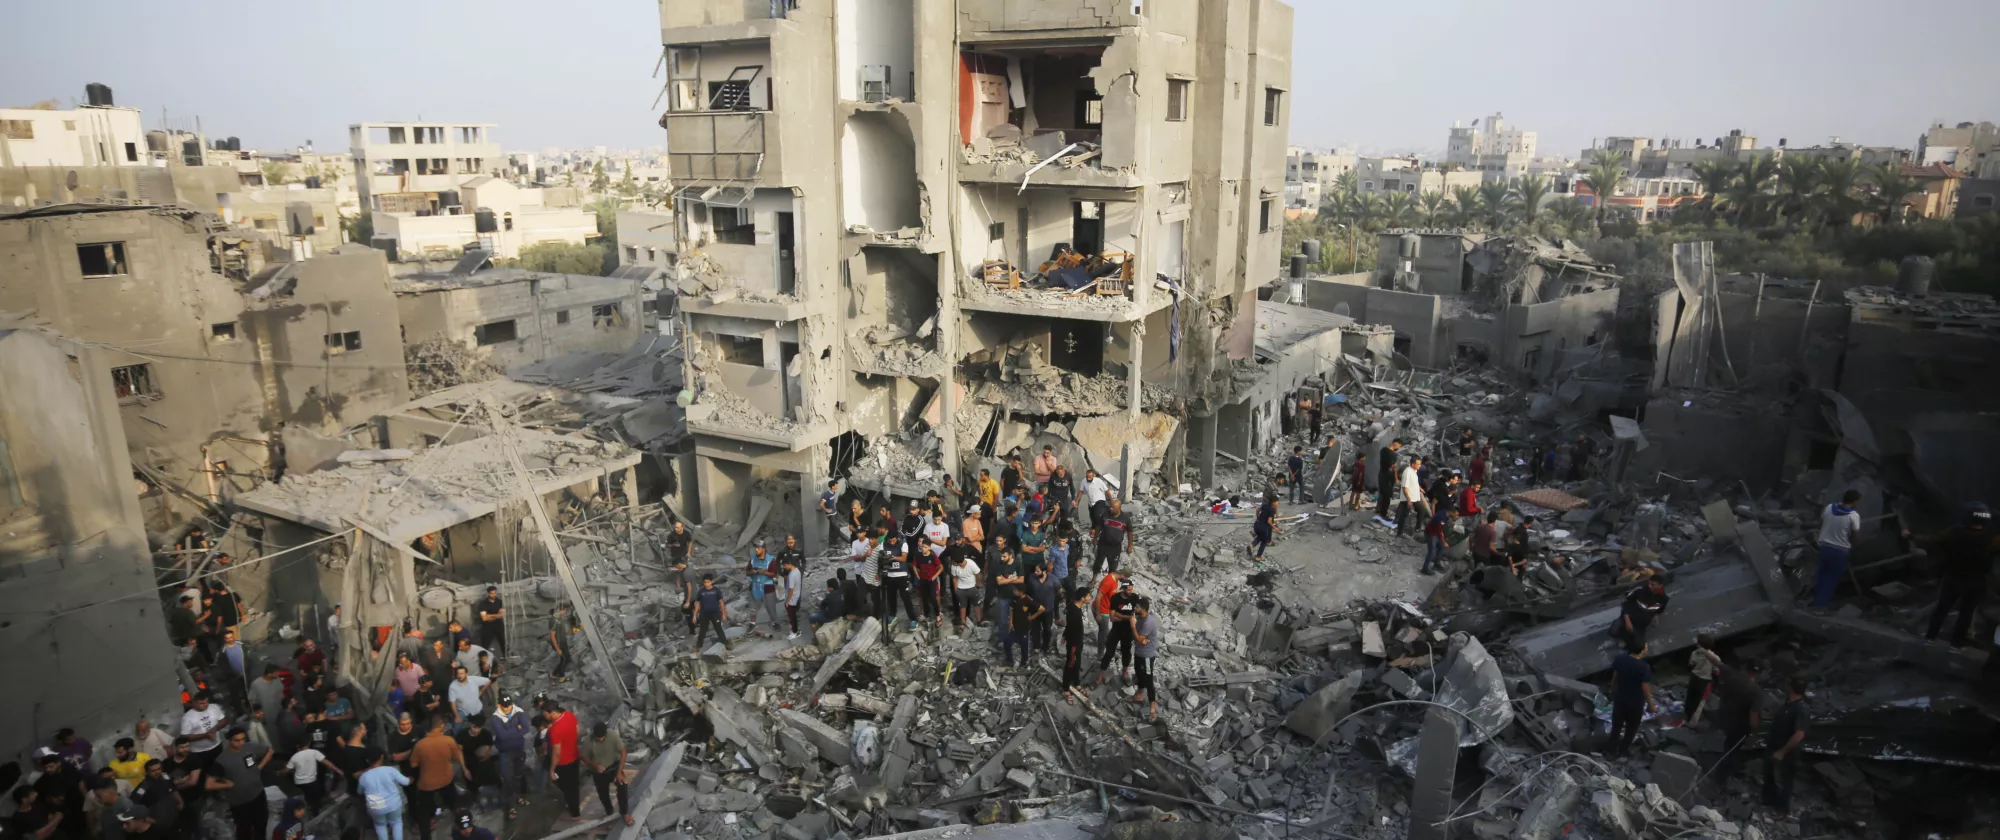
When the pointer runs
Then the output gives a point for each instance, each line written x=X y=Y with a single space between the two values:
x=17 y=129
x=606 y=315
x=101 y=259
x=342 y=342
x=222 y=332
x=133 y=381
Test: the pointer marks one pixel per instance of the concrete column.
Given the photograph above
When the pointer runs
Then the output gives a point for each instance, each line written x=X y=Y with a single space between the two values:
x=812 y=482
x=1134 y=381
x=947 y=348
x=1201 y=440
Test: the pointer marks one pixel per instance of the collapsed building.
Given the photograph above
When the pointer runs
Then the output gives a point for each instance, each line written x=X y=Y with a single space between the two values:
x=996 y=218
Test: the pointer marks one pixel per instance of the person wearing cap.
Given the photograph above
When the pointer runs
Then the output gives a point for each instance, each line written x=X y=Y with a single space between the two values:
x=563 y=756
x=1966 y=552
x=434 y=758
x=896 y=579
x=604 y=754
x=203 y=726
x=762 y=572
x=237 y=775
x=463 y=828
x=972 y=527
x=382 y=794
x=511 y=734
x=60 y=789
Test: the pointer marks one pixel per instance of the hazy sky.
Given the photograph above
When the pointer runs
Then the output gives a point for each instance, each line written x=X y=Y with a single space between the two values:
x=1375 y=75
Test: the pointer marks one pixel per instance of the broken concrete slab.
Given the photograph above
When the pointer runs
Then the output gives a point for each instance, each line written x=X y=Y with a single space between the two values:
x=833 y=745
x=646 y=792
x=989 y=774
x=1965 y=663
x=1371 y=640
x=1549 y=814
x=737 y=723
x=1676 y=774
x=1721 y=521
x=1474 y=687
x=1437 y=771
x=1721 y=596
x=1765 y=561
x=864 y=638
x=1315 y=718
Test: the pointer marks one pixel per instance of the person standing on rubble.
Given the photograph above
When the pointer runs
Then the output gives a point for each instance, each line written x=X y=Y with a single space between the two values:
x=511 y=732
x=1145 y=648
x=930 y=571
x=1483 y=553
x=1643 y=608
x=1061 y=490
x=1010 y=478
x=1032 y=537
x=965 y=583
x=1581 y=454
x=1045 y=465
x=710 y=613
x=1073 y=607
x=972 y=527
x=870 y=574
x=762 y=572
x=1475 y=472
x=1121 y=609
x=1385 y=479
x=1315 y=412
x=563 y=754
x=896 y=581
x=604 y=754
x=1114 y=537
x=1966 y=553
x=1467 y=506
x=1265 y=529
x=989 y=498
x=1021 y=615
x=1434 y=542
x=1045 y=589
x=794 y=592
x=492 y=615
x=1839 y=526
x=1739 y=709
x=1357 y=480
x=1631 y=695
x=1295 y=473
x=1060 y=569
x=829 y=507
x=563 y=627
x=1098 y=493
x=1005 y=576
x=1412 y=488
x=1468 y=441
x=1788 y=729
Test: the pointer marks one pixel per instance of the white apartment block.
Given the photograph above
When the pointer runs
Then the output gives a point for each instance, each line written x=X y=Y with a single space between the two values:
x=1492 y=146
x=90 y=135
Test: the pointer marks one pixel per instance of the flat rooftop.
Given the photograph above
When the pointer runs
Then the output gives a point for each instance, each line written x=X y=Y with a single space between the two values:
x=435 y=488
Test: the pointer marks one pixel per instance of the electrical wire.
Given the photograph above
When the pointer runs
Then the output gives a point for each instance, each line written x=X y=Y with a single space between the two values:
x=155 y=590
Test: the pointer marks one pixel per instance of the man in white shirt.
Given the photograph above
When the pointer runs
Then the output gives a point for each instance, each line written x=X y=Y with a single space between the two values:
x=937 y=537
x=1839 y=525
x=305 y=765
x=203 y=726
x=1096 y=491
x=1413 y=500
x=149 y=738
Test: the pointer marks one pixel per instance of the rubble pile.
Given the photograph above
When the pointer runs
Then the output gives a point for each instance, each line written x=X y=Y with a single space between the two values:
x=438 y=363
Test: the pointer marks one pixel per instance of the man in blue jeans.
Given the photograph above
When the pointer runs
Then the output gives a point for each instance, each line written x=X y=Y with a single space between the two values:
x=1839 y=525
x=1295 y=472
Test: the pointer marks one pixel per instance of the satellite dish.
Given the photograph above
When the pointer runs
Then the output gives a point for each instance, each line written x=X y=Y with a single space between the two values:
x=69 y=180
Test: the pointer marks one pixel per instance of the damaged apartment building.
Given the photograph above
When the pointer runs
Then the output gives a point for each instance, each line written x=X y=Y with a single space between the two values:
x=911 y=233
x=1525 y=304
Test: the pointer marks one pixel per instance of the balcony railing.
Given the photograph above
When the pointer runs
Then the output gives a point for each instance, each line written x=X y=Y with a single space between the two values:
x=716 y=145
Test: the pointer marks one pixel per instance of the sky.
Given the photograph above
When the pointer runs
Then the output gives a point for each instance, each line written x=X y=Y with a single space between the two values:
x=1377 y=76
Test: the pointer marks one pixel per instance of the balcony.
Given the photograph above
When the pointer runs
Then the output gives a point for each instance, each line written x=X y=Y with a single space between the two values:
x=721 y=146
x=682 y=21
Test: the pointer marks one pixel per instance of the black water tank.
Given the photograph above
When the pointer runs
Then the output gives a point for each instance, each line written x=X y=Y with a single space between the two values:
x=97 y=94
x=235 y=145
x=1310 y=248
x=482 y=221
x=1298 y=266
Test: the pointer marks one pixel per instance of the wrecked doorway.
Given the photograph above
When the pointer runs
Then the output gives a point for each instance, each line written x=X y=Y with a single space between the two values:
x=1077 y=346
x=879 y=172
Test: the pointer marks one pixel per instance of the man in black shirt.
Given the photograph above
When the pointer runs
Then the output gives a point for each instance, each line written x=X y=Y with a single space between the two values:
x=156 y=794
x=402 y=740
x=1631 y=695
x=182 y=623
x=1788 y=729
x=1739 y=713
x=1124 y=604
x=493 y=621
x=1073 y=644
x=1966 y=555
x=792 y=554
x=710 y=613
x=1643 y=607
x=184 y=771
x=1010 y=478
x=32 y=820
x=429 y=702
x=1061 y=492
x=1295 y=472
x=1385 y=478
x=60 y=790
x=1114 y=537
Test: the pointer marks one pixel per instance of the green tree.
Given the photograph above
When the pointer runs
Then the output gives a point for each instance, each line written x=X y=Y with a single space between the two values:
x=1493 y=210
x=360 y=227
x=1892 y=190
x=1749 y=196
x=1839 y=181
x=1798 y=185
x=1433 y=208
x=275 y=174
x=564 y=258
x=1567 y=216
x=606 y=210
x=1399 y=210
x=598 y=180
x=1529 y=191
x=1605 y=176
x=1464 y=206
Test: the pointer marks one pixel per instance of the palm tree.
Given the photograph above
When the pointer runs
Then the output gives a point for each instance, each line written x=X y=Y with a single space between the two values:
x=1605 y=175
x=1432 y=207
x=1568 y=216
x=1747 y=195
x=1714 y=177
x=1891 y=190
x=1529 y=190
x=1399 y=209
x=1369 y=212
x=1838 y=181
x=1798 y=187
x=1464 y=206
x=1493 y=205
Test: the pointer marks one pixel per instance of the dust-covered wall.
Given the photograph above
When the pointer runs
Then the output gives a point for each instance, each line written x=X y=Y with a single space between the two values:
x=552 y=314
x=84 y=638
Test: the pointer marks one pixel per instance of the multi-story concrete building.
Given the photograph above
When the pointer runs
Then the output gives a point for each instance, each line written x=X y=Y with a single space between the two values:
x=432 y=190
x=412 y=158
x=860 y=184
x=1410 y=175
x=97 y=134
x=510 y=316
x=1493 y=147
x=221 y=349
x=1969 y=147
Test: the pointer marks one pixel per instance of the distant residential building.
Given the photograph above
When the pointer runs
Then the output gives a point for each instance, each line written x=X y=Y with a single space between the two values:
x=492 y=214
x=1864 y=155
x=1938 y=194
x=1978 y=196
x=1493 y=147
x=1646 y=199
x=1409 y=175
x=1971 y=148
x=1304 y=165
x=408 y=161
x=99 y=134
x=512 y=316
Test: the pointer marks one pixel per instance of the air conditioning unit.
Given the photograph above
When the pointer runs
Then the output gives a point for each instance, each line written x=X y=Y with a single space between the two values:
x=874 y=82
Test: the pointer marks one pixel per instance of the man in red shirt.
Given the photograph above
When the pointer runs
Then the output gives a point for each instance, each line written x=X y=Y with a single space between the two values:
x=1469 y=511
x=1476 y=471
x=563 y=758
x=1482 y=541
